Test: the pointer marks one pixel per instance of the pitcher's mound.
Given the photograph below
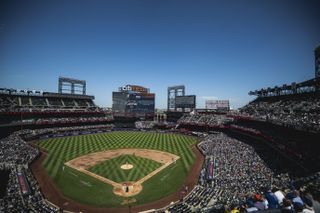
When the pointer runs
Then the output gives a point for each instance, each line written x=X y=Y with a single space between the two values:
x=126 y=166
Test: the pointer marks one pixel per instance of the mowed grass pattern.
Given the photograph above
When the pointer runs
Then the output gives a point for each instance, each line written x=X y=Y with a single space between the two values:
x=63 y=149
x=111 y=168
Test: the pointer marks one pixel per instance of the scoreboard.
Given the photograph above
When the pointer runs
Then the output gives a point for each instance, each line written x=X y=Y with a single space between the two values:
x=218 y=105
x=133 y=102
x=187 y=101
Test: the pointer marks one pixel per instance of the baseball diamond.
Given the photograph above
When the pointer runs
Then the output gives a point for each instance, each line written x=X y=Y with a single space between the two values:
x=87 y=168
x=108 y=170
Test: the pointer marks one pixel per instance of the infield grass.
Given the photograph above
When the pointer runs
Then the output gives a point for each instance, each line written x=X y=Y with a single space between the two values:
x=88 y=190
x=111 y=168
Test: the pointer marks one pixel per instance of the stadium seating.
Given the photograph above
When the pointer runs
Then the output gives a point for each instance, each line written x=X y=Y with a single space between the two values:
x=53 y=109
x=68 y=102
x=16 y=102
x=25 y=101
x=300 y=111
x=144 y=124
x=241 y=181
x=55 y=102
x=39 y=102
x=203 y=120
x=290 y=113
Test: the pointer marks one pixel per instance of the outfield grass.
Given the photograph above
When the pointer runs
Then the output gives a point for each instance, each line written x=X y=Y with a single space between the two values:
x=111 y=168
x=88 y=190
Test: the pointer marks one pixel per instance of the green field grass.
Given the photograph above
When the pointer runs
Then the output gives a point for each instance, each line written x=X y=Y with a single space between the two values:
x=88 y=190
x=111 y=168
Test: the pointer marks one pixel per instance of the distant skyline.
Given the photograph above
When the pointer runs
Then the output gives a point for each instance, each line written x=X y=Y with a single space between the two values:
x=217 y=49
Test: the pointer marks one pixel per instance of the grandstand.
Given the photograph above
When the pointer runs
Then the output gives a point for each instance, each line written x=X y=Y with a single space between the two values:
x=282 y=125
x=295 y=106
x=13 y=100
x=290 y=123
x=29 y=108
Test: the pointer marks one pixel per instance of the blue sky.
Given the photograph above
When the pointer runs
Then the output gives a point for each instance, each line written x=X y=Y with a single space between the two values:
x=217 y=49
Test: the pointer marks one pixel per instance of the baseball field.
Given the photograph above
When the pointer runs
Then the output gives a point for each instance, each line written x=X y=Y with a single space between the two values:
x=143 y=166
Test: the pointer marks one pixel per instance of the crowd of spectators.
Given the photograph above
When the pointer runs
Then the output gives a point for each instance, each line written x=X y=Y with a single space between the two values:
x=144 y=124
x=31 y=134
x=203 y=120
x=55 y=116
x=14 y=150
x=301 y=112
x=243 y=182
x=57 y=120
x=69 y=120
x=16 y=155
x=17 y=201
x=51 y=109
x=298 y=145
